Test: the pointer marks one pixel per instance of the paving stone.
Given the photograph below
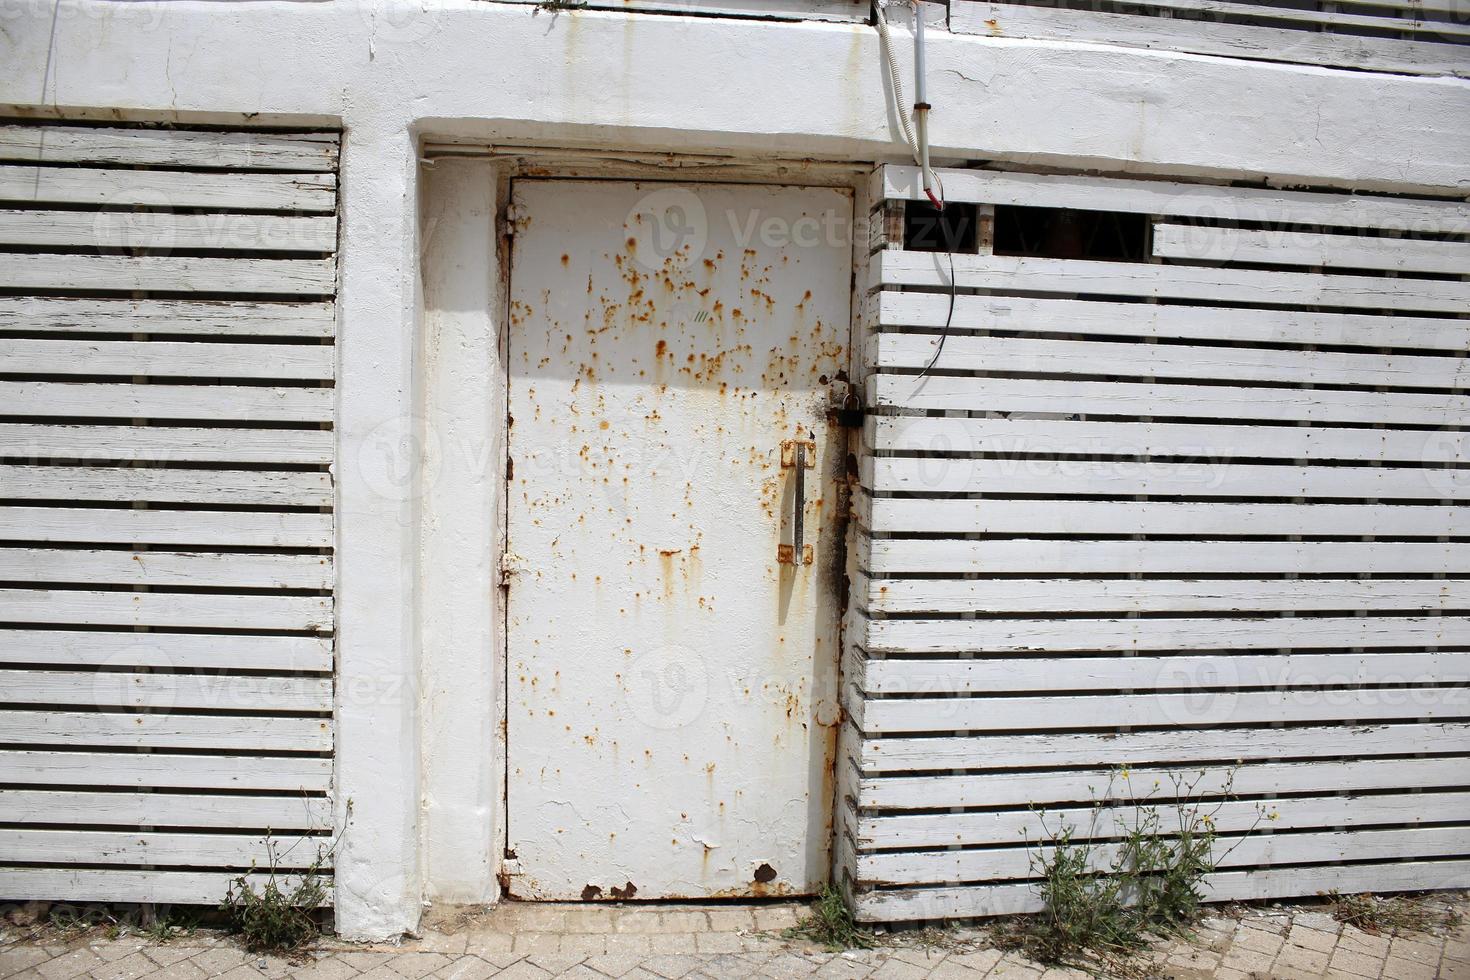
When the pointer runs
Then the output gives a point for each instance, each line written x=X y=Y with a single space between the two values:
x=899 y=969
x=580 y=972
x=414 y=965
x=840 y=968
x=616 y=963
x=450 y=944
x=583 y=945
x=719 y=942
x=1311 y=938
x=527 y=943
x=522 y=970
x=468 y=968
x=328 y=968
x=359 y=960
x=672 y=944
x=1320 y=921
x=630 y=945
x=950 y=970
x=921 y=957
x=130 y=967
x=598 y=920
x=182 y=970
x=1396 y=968
x=1346 y=961
x=683 y=921
x=774 y=918
x=1014 y=967
x=1258 y=940
x=538 y=918
x=14 y=959
x=642 y=924
x=1247 y=960
x=1300 y=961
x=981 y=960
x=66 y=965
x=1415 y=949
x=731 y=920
x=555 y=963
x=1362 y=942
x=672 y=966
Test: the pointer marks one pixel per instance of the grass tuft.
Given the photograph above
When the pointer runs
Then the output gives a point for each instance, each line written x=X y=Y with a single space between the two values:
x=831 y=924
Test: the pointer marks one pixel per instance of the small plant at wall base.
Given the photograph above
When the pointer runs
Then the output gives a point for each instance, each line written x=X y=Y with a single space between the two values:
x=280 y=915
x=1114 y=889
x=831 y=924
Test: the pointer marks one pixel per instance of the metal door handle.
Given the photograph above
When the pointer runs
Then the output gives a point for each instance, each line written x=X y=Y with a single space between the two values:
x=797 y=454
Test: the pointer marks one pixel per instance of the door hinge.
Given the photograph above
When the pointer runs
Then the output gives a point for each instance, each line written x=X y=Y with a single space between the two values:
x=511 y=564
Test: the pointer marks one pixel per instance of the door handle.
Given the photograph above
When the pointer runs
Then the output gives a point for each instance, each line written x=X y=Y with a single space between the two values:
x=799 y=455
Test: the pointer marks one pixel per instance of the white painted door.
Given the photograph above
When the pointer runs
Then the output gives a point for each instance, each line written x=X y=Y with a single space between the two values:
x=671 y=691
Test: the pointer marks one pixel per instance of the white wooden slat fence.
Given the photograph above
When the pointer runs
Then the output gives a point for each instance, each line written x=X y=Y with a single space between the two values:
x=1421 y=38
x=166 y=529
x=1200 y=513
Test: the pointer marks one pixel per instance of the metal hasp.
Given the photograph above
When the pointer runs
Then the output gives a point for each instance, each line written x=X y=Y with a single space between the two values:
x=799 y=455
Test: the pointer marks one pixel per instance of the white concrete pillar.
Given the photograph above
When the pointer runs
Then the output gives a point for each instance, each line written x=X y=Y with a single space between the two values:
x=378 y=879
x=463 y=419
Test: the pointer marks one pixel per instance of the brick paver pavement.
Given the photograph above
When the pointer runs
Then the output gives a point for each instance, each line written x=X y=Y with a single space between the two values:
x=595 y=942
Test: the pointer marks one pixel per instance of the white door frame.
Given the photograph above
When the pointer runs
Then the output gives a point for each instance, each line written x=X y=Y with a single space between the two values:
x=460 y=435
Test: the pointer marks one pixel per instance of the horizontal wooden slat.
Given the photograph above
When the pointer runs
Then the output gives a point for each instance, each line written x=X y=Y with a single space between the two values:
x=156 y=769
x=891 y=905
x=160 y=230
x=1184 y=557
x=1158 y=595
x=57 y=314
x=1203 y=243
x=1090 y=786
x=1256 y=286
x=1210 y=37
x=1312 y=19
x=1015 y=863
x=1191 y=479
x=97 y=525
x=166 y=691
x=292 y=811
x=1134 y=748
x=112 y=885
x=167 y=189
x=1165 y=197
x=1118 y=398
x=1240 y=672
x=1021 y=355
x=159 y=850
x=164 y=444
x=245 y=570
x=1051 y=315
x=77 y=648
x=169 y=359
x=265 y=488
x=1009 y=826
x=205 y=402
x=66 y=607
x=1186 y=710
x=234 y=150
x=1091 y=517
x=1017 y=436
x=173 y=730
x=175 y=274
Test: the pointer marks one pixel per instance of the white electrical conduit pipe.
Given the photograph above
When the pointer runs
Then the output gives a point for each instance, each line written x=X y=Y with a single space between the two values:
x=918 y=145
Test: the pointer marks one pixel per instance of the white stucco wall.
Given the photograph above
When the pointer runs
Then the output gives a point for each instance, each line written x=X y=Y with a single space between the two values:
x=394 y=73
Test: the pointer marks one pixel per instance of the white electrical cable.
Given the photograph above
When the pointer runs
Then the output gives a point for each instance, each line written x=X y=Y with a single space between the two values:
x=885 y=44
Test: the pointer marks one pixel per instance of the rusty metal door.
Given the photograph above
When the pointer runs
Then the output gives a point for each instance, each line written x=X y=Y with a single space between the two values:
x=673 y=536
